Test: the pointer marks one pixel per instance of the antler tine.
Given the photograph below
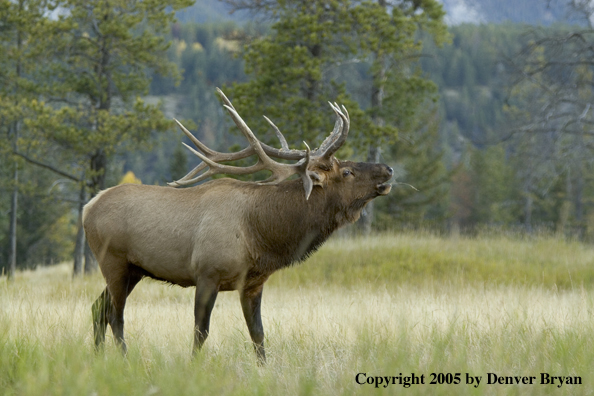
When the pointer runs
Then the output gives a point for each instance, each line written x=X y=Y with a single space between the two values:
x=225 y=99
x=333 y=135
x=196 y=142
x=300 y=168
x=247 y=132
x=189 y=182
x=347 y=119
x=189 y=176
x=279 y=171
x=285 y=152
x=346 y=112
x=338 y=135
x=283 y=141
x=229 y=169
x=342 y=136
x=211 y=155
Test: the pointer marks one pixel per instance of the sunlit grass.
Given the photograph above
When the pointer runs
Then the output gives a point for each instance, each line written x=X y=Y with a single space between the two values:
x=326 y=321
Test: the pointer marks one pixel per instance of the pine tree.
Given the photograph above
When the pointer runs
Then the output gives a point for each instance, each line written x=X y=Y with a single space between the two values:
x=106 y=52
x=289 y=68
x=21 y=58
x=420 y=196
x=102 y=54
x=304 y=61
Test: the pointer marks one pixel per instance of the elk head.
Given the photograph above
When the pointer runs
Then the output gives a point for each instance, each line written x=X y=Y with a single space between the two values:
x=354 y=184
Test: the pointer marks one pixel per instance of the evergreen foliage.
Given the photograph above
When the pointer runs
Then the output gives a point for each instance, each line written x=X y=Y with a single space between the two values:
x=72 y=112
x=22 y=54
x=105 y=55
x=308 y=59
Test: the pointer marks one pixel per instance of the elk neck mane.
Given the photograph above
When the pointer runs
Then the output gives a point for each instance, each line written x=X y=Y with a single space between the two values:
x=283 y=227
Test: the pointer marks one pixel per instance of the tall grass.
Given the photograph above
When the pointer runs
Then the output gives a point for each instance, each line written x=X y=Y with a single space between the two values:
x=326 y=321
x=423 y=258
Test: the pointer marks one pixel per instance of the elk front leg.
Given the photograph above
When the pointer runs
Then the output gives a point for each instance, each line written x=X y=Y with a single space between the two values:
x=206 y=295
x=251 y=300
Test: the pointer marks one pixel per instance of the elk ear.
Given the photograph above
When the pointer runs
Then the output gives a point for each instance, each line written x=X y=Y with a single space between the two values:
x=310 y=179
x=315 y=177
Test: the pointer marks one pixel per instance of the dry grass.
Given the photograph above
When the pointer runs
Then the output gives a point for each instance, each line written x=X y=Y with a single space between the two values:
x=318 y=337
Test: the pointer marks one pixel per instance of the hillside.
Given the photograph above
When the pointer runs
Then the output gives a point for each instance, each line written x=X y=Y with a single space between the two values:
x=458 y=11
x=210 y=11
x=497 y=11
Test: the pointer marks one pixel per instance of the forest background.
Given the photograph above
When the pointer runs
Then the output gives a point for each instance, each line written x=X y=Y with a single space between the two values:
x=489 y=121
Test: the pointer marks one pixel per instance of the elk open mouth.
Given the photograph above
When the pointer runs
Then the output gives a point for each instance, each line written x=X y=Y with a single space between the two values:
x=383 y=188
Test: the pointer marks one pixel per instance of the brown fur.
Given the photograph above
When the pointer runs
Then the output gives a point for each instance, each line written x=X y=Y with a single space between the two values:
x=218 y=236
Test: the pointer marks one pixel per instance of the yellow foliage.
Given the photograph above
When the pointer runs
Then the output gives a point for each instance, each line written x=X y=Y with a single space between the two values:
x=130 y=177
x=180 y=46
x=228 y=45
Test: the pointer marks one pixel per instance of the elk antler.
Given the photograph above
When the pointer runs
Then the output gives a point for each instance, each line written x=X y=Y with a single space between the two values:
x=339 y=134
x=280 y=171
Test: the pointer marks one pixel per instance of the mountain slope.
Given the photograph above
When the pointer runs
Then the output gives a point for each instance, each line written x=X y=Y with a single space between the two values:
x=458 y=11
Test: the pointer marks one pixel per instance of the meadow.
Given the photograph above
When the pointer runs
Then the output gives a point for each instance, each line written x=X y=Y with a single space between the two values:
x=384 y=306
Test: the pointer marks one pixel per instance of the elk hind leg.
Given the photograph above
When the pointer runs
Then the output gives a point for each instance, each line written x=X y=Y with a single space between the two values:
x=251 y=301
x=101 y=310
x=119 y=289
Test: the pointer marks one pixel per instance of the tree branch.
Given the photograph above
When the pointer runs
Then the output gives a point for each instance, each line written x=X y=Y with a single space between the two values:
x=47 y=166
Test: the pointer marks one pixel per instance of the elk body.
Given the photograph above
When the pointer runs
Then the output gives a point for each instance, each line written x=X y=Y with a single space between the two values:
x=225 y=234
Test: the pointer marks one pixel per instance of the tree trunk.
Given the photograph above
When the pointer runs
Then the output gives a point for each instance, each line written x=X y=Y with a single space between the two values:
x=578 y=197
x=528 y=201
x=98 y=165
x=79 y=248
x=377 y=96
x=12 y=254
x=565 y=210
x=578 y=201
x=366 y=220
x=99 y=158
x=12 y=232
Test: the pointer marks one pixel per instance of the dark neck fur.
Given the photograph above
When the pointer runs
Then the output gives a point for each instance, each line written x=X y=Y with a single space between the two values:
x=286 y=228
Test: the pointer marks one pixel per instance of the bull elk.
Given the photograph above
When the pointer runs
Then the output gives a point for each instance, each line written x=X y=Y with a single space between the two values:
x=225 y=234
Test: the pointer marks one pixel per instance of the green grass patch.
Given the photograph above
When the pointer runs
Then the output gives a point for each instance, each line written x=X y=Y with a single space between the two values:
x=422 y=259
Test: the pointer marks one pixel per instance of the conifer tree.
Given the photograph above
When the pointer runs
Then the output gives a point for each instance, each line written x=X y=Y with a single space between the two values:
x=21 y=57
x=298 y=67
x=102 y=52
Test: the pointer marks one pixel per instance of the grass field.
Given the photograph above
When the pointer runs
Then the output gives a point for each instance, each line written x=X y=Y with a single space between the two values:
x=390 y=305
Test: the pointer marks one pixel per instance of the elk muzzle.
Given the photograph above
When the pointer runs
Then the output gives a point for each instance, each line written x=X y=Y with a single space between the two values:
x=384 y=187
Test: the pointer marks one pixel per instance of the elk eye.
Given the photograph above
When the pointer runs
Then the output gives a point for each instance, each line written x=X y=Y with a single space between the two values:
x=346 y=172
